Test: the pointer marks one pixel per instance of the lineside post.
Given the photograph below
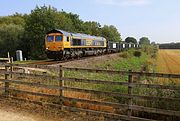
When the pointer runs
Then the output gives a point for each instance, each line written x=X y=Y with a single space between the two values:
x=130 y=81
x=61 y=84
x=6 y=83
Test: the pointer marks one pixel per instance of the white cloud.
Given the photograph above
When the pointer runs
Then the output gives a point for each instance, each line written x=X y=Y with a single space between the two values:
x=124 y=2
x=107 y=2
x=135 y=2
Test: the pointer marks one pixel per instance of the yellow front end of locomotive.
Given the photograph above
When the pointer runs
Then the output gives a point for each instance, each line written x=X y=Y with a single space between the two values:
x=54 y=42
x=57 y=42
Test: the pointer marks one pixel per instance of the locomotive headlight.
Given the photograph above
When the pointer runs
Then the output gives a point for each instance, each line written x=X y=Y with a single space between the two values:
x=47 y=48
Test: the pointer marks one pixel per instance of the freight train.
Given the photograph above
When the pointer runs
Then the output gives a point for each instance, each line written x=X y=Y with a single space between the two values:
x=61 y=45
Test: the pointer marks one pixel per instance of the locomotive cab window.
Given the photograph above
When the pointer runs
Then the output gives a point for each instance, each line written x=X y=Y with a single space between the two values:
x=59 y=38
x=67 y=39
x=50 y=38
x=76 y=42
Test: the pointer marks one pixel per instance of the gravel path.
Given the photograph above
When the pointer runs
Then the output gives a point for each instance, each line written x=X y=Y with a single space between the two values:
x=6 y=115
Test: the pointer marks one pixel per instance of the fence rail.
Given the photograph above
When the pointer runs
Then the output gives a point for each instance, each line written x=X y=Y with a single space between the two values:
x=61 y=79
x=8 y=59
x=97 y=70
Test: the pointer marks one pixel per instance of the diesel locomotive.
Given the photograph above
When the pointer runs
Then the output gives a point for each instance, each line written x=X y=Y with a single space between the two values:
x=60 y=45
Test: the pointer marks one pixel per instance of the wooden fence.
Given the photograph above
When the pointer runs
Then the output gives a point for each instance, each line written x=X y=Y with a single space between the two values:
x=5 y=59
x=129 y=106
x=8 y=59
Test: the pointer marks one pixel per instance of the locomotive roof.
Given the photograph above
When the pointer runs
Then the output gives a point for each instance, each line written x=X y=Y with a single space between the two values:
x=83 y=36
x=59 y=31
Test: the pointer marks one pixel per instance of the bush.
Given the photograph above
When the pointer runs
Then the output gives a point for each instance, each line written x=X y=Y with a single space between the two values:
x=137 y=53
x=124 y=54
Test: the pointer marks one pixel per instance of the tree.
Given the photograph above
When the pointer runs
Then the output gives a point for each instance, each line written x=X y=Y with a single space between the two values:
x=16 y=19
x=77 y=23
x=92 y=28
x=153 y=43
x=131 y=40
x=110 y=33
x=144 y=41
x=41 y=20
x=11 y=29
x=10 y=38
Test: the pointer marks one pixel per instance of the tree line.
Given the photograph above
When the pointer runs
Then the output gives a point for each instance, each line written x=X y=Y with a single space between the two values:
x=142 y=40
x=169 y=46
x=27 y=31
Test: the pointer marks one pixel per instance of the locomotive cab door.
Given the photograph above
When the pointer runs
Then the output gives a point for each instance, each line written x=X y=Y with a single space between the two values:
x=66 y=41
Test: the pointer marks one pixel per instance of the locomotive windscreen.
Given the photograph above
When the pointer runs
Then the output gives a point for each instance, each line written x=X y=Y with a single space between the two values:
x=50 y=38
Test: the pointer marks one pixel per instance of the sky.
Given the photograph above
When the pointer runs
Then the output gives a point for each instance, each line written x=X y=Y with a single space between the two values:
x=159 y=20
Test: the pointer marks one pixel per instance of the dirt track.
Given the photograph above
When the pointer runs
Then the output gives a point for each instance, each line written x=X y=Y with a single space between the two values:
x=12 y=110
x=169 y=61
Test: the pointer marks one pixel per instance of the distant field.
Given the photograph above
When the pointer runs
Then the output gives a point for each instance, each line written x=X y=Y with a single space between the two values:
x=169 y=61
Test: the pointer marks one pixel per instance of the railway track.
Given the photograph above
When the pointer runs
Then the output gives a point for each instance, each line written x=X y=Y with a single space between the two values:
x=54 y=62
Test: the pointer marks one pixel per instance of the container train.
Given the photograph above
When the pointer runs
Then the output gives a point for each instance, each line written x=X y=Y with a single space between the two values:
x=60 y=45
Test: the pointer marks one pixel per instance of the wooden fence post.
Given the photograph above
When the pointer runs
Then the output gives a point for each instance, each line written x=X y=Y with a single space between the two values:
x=11 y=67
x=130 y=80
x=61 y=83
x=6 y=83
x=9 y=60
